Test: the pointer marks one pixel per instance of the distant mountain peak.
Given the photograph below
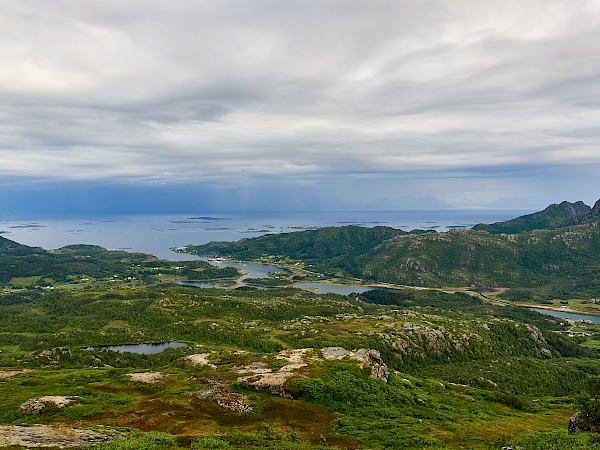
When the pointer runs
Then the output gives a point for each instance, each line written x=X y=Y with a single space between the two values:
x=554 y=216
x=410 y=202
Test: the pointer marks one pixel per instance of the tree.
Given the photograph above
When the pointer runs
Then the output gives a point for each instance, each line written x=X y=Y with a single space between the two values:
x=589 y=405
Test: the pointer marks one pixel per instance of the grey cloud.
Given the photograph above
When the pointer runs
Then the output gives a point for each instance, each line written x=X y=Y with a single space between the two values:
x=307 y=91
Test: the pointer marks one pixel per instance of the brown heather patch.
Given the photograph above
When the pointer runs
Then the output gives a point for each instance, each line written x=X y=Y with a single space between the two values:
x=197 y=417
x=336 y=328
x=116 y=324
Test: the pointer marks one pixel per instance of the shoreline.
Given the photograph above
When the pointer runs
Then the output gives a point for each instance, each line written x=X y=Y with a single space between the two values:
x=565 y=309
x=294 y=270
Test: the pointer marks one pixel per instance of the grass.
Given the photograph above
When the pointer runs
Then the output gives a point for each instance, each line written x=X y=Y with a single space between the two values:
x=592 y=343
x=21 y=282
x=479 y=434
x=345 y=408
x=106 y=397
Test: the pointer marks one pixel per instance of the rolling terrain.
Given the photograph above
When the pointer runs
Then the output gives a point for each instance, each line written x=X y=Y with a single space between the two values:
x=557 y=262
x=420 y=367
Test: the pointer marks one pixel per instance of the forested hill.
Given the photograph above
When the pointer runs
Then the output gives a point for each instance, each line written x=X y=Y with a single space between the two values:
x=8 y=247
x=311 y=245
x=564 y=261
x=22 y=266
x=554 y=216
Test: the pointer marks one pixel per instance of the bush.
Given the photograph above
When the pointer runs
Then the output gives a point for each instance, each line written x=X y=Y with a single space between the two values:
x=556 y=440
x=140 y=441
x=210 y=443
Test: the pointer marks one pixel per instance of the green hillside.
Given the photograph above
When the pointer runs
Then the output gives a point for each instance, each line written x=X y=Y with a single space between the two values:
x=284 y=369
x=336 y=248
x=23 y=267
x=324 y=243
x=564 y=261
x=554 y=216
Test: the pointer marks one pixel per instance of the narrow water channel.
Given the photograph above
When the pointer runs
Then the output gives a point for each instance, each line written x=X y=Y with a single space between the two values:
x=255 y=270
x=568 y=315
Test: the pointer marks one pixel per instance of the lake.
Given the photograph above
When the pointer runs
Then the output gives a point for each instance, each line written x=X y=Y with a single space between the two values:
x=568 y=315
x=326 y=288
x=140 y=349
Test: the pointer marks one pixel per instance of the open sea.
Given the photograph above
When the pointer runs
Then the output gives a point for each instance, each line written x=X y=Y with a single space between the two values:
x=158 y=234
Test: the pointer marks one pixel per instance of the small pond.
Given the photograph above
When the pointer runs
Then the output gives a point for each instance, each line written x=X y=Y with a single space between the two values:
x=326 y=288
x=140 y=349
x=568 y=315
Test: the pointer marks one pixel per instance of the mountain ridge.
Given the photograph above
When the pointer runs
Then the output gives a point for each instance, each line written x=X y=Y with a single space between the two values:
x=552 y=217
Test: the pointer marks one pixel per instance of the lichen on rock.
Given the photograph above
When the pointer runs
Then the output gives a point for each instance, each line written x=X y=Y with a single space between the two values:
x=35 y=405
x=218 y=390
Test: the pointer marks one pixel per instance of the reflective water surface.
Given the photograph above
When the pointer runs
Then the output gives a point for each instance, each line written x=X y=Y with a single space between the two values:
x=326 y=288
x=141 y=349
x=157 y=234
x=568 y=315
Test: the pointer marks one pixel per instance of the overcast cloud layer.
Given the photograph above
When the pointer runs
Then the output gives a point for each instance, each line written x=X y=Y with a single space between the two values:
x=466 y=100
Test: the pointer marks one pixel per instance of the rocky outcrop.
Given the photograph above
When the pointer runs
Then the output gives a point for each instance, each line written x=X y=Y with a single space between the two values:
x=367 y=356
x=263 y=377
x=256 y=367
x=44 y=436
x=333 y=353
x=37 y=404
x=380 y=372
x=150 y=377
x=200 y=359
x=8 y=374
x=217 y=390
x=574 y=423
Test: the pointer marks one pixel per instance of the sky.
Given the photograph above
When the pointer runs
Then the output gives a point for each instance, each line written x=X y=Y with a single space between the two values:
x=155 y=105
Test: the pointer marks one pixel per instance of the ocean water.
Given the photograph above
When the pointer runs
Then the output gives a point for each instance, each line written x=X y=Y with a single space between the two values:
x=157 y=234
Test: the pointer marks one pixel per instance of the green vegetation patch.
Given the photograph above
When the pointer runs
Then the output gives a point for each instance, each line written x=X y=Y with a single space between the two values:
x=561 y=263
x=461 y=372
